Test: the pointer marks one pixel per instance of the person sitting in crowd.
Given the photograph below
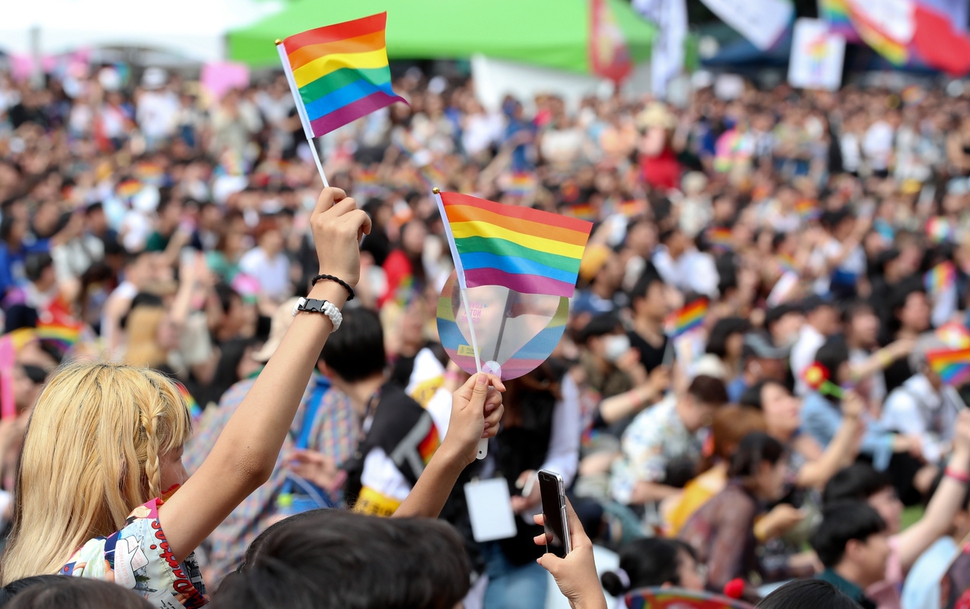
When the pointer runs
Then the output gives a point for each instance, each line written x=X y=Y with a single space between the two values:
x=662 y=446
x=807 y=594
x=853 y=544
x=722 y=531
x=648 y=302
x=922 y=587
x=725 y=343
x=821 y=323
x=731 y=424
x=822 y=418
x=860 y=482
x=654 y=562
x=921 y=407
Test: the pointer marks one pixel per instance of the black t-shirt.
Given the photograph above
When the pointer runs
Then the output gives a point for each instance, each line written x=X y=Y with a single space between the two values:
x=650 y=356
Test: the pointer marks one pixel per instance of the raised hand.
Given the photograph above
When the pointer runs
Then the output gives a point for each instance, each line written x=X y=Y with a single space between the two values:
x=475 y=414
x=338 y=226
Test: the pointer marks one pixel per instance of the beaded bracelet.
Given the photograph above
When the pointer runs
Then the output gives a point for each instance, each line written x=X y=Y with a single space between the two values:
x=338 y=281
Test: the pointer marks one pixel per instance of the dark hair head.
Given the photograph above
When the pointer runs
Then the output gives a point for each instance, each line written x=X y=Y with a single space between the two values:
x=807 y=594
x=732 y=424
x=841 y=523
x=356 y=352
x=855 y=308
x=752 y=395
x=141 y=299
x=35 y=263
x=722 y=331
x=756 y=448
x=857 y=482
x=602 y=324
x=225 y=293
x=708 y=390
x=59 y=591
x=832 y=354
x=652 y=561
x=774 y=314
x=335 y=558
x=643 y=284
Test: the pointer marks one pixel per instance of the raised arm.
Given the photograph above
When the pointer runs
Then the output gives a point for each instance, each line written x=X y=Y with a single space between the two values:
x=946 y=502
x=246 y=451
x=840 y=452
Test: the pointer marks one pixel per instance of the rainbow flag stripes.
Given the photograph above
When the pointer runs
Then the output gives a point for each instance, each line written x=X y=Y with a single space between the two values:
x=720 y=237
x=940 y=277
x=341 y=72
x=520 y=248
x=194 y=410
x=953 y=365
x=689 y=317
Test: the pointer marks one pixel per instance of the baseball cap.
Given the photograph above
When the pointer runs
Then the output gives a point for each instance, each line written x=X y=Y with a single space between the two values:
x=758 y=344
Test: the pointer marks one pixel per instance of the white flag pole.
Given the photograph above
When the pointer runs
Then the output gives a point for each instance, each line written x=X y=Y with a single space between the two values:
x=463 y=288
x=301 y=110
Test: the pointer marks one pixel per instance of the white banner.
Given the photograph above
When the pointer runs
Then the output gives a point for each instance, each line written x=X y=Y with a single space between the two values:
x=667 y=58
x=816 y=56
x=760 y=21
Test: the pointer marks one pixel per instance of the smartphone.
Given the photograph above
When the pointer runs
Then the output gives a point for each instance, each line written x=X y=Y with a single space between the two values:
x=553 y=494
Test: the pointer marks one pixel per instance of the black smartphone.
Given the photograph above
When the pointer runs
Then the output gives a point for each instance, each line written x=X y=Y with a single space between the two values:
x=553 y=494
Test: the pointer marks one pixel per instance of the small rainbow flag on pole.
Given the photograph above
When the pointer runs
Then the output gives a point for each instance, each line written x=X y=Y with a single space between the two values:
x=337 y=74
x=341 y=72
x=689 y=317
x=523 y=249
x=953 y=365
x=940 y=277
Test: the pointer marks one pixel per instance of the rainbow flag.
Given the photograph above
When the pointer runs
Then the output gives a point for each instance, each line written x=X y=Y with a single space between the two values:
x=340 y=71
x=939 y=229
x=521 y=184
x=940 y=277
x=689 y=317
x=520 y=248
x=583 y=211
x=128 y=188
x=954 y=335
x=807 y=209
x=194 y=410
x=953 y=365
x=720 y=237
x=63 y=335
x=836 y=14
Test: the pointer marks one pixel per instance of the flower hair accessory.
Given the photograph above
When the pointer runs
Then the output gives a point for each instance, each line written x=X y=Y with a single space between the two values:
x=818 y=378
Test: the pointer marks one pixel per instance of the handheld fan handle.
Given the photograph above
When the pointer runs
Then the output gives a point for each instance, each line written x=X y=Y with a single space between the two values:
x=490 y=367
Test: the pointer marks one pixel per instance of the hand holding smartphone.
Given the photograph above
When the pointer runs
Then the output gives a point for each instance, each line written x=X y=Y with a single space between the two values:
x=556 y=522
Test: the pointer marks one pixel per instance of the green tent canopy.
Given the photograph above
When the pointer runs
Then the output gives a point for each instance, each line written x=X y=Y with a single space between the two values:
x=550 y=33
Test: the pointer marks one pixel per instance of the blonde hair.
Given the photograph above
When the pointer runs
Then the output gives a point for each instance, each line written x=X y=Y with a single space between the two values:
x=142 y=330
x=90 y=456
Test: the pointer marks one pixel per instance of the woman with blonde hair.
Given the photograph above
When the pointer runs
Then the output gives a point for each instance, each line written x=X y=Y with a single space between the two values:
x=102 y=455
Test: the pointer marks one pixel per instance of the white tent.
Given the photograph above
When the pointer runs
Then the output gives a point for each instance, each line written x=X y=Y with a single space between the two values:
x=192 y=29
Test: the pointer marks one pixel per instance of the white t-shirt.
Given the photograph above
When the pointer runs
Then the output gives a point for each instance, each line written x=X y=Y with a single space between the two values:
x=157 y=113
x=273 y=274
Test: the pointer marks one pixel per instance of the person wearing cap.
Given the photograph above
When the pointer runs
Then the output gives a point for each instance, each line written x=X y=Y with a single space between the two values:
x=921 y=406
x=821 y=322
x=659 y=166
x=761 y=361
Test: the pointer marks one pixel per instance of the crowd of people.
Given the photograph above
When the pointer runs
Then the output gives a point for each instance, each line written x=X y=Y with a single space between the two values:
x=160 y=372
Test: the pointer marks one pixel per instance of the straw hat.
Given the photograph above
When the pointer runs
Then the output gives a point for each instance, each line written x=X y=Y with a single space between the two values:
x=656 y=115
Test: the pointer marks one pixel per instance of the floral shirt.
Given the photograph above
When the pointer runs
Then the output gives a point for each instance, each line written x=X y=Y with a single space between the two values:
x=138 y=558
x=654 y=439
